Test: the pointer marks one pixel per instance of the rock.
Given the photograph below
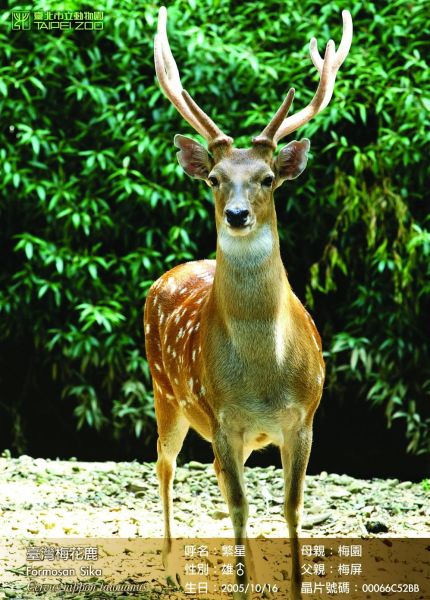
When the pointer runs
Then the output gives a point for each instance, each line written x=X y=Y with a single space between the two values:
x=135 y=487
x=57 y=469
x=197 y=466
x=311 y=521
x=376 y=527
x=340 y=479
x=368 y=510
x=392 y=482
x=356 y=488
x=218 y=515
x=181 y=475
x=405 y=485
x=341 y=493
x=323 y=475
x=278 y=484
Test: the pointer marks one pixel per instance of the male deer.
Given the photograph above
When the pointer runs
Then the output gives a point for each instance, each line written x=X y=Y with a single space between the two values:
x=232 y=351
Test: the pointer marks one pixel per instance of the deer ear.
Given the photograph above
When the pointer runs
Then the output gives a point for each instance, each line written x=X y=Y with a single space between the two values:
x=193 y=157
x=292 y=159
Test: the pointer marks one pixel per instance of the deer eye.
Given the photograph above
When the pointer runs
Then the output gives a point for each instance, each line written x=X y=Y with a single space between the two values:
x=267 y=181
x=213 y=181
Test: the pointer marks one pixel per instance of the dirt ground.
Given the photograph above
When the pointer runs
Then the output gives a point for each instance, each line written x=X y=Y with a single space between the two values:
x=46 y=502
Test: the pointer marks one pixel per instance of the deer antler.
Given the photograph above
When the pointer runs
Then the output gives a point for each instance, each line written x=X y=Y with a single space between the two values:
x=170 y=82
x=327 y=69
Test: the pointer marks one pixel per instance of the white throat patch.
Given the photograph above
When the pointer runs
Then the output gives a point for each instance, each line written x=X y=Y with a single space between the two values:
x=250 y=249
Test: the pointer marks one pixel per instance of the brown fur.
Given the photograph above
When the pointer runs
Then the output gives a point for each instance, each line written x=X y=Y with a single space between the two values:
x=232 y=351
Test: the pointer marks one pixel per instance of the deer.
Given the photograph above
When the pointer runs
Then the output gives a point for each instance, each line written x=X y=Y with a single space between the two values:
x=232 y=351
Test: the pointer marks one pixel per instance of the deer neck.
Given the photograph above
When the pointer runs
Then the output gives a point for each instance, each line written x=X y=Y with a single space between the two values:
x=250 y=285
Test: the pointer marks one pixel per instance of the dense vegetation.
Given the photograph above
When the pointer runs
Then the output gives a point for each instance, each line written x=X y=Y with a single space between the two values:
x=94 y=207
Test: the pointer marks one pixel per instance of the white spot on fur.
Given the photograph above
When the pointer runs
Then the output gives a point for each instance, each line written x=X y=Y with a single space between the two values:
x=279 y=343
x=172 y=285
x=194 y=355
x=198 y=268
x=315 y=342
x=191 y=382
x=174 y=353
x=176 y=381
x=168 y=349
x=157 y=366
x=147 y=328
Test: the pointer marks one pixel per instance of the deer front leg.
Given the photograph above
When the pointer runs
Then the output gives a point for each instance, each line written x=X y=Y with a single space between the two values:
x=228 y=450
x=172 y=429
x=295 y=456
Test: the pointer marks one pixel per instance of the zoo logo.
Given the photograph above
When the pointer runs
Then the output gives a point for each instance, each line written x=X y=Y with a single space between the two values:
x=21 y=20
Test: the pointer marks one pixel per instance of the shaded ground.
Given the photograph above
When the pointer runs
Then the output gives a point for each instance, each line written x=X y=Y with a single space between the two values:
x=42 y=499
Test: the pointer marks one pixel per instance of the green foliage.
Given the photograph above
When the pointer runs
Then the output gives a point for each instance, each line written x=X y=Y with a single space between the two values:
x=95 y=207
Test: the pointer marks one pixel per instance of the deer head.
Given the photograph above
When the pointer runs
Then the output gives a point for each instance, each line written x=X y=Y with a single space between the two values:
x=243 y=180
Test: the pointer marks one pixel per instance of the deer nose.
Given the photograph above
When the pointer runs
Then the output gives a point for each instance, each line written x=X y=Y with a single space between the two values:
x=236 y=217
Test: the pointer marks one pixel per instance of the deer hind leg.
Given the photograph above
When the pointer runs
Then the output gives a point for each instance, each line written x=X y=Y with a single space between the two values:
x=229 y=459
x=218 y=473
x=172 y=429
x=253 y=554
x=295 y=456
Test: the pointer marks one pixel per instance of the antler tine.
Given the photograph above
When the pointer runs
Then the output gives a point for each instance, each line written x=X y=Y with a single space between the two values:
x=345 y=42
x=167 y=71
x=170 y=82
x=266 y=136
x=327 y=69
x=216 y=135
x=344 y=46
x=319 y=101
x=315 y=55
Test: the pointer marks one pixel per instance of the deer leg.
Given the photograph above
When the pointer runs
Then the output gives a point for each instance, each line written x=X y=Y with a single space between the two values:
x=217 y=469
x=295 y=456
x=251 y=553
x=172 y=429
x=229 y=459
